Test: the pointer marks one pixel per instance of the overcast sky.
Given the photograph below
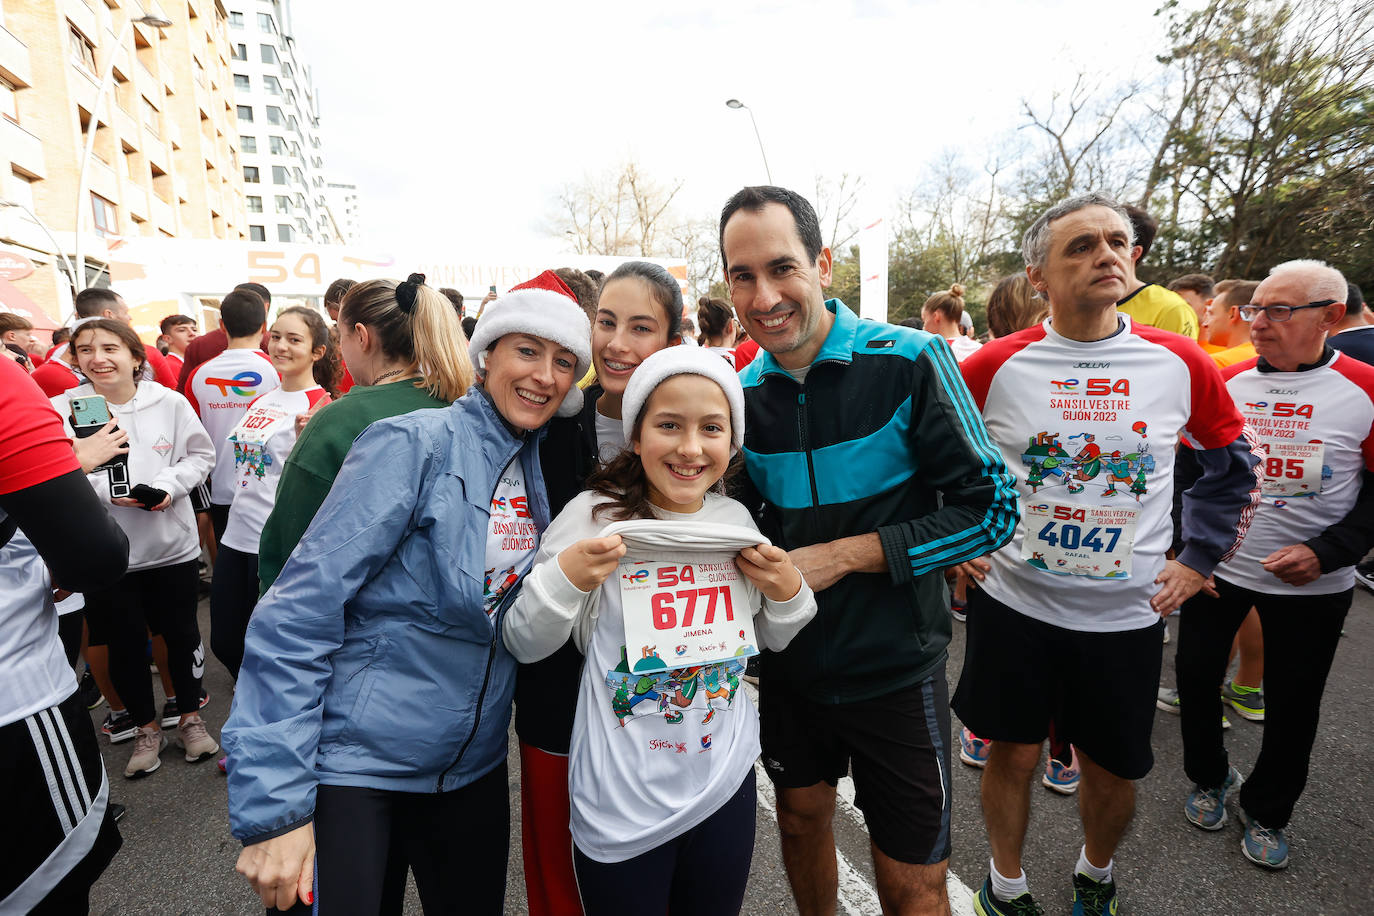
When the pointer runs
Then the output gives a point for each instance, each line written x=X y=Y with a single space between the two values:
x=459 y=122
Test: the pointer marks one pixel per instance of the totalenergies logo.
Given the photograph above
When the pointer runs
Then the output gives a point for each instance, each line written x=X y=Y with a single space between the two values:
x=636 y=577
x=1068 y=385
x=244 y=384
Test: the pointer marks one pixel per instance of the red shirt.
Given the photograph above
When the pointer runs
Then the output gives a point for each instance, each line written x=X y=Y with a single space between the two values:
x=55 y=377
x=33 y=446
x=162 y=373
x=745 y=353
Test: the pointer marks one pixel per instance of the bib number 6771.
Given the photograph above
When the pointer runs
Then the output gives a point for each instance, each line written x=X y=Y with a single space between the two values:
x=666 y=614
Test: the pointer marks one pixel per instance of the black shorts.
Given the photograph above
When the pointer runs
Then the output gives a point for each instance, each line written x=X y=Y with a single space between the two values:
x=898 y=745
x=1098 y=688
x=57 y=798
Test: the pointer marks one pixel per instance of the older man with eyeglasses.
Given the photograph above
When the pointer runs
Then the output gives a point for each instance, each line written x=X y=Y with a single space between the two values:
x=1313 y=410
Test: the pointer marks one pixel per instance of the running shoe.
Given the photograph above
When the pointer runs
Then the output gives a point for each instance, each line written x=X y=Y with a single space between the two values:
x=146 y=757
x=972 y=749
x=1206 y=808
x=1364 y=573
x=1249 y=704
x=171 y=717
x=959 y=609
x=91 y=696
x=196 y=741
x=1062 y=778
x=1093 y=898
x=1167 y=700
x=119 y=726
x=1265 y=846
x=984 y=904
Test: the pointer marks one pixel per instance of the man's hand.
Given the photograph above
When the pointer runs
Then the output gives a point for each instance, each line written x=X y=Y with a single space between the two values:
x=107 y=442
x=1180 y=583
x=1295 y=564
x=976 y=570
x=771 y=571
x=282 y=868
x=822 y=565
x=132 y=503
x=589 y=562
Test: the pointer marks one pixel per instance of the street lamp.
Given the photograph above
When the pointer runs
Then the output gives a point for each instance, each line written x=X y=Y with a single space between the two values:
x=56 y=248
x=157 y=22
x=737 y=104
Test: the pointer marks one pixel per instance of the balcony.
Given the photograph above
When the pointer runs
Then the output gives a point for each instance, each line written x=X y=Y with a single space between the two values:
x=83 y=17
x=135 y=200
x=23 y=148
x=148 y=85
x=14 y=59
x=164 y=217
x=179 y=188
x=125 y=125
x=101 y=179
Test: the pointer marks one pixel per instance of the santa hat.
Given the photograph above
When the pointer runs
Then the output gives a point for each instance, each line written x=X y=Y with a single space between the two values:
x=542 y=307
x=683 y=361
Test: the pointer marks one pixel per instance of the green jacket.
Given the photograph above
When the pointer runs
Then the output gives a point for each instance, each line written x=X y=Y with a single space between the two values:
x=316 y=459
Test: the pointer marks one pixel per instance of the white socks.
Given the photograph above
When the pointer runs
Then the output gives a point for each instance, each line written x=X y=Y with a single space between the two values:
x=1084 y=867
x=1006 y=889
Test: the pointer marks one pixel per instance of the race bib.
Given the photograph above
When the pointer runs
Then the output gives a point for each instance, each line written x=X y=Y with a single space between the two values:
x=679 y=616
x=250 y=440
x=1073 y=540
x=1293 y=469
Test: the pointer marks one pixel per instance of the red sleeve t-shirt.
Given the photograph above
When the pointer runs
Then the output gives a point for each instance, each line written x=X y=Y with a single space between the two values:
x=33 y=446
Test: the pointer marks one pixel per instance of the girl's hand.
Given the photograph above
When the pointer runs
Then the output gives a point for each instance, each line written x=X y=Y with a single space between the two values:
x=282 y=868
x=771 y=570
x=99 y=447
x=590 y=562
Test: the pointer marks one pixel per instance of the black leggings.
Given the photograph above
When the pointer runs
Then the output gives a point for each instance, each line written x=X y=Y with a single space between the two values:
x=456 y=843
x=704 y=870
x=233 y=594
x=69 y=631
x=164 y=600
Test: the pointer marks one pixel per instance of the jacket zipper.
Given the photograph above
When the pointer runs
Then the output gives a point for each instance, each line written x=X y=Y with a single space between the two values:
x=814 y=508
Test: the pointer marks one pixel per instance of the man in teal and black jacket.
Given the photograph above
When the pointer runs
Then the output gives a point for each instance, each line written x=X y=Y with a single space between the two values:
x=869 y=463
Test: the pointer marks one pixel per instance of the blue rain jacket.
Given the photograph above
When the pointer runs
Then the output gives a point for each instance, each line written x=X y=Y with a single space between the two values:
x=371 y=661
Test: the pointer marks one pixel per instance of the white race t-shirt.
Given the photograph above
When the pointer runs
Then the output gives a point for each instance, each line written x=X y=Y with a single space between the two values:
x=1090 y=429
x=261 y=442
x=511 y=538
x=962 y=347
x=220 y=389
x=610 y=436
x=1318 y=429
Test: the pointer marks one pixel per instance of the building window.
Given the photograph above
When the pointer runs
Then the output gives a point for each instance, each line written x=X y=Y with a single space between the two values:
x=272 y=85
x=265 y=23
x=257 y=234
x=8 y=107
x=279 y=175
x=268 y=53
x=236 y=20
x=278 y=146
x=83 y=52
x=151 y=119
x=239 y=52
x=245 y=113
x=250 y=174
x=274 y=115
x=106 y=222
x=242 y=83
x=284 y=233
x=248 y=144
x=283 y=203
x=254 y=204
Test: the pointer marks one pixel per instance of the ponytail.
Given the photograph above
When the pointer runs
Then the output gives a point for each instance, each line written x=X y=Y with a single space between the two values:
x=426 y=333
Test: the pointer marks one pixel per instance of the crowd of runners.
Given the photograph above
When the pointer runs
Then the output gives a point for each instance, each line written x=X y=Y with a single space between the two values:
x=414 y=523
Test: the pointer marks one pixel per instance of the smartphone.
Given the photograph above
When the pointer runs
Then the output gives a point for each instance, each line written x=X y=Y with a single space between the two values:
x=147 y=496
x=89 y=414
x=492 y=289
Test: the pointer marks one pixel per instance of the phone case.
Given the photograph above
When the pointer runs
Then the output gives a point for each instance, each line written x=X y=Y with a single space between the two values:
x=90 y=411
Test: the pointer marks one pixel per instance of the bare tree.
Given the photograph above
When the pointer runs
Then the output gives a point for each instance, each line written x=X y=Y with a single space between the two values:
x=620 y=212
x=835 y=203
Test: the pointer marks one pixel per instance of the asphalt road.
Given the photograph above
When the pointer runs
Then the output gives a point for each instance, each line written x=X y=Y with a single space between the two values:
x=178 y=856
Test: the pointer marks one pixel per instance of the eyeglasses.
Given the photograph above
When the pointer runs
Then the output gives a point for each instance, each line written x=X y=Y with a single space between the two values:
x=1280 y=312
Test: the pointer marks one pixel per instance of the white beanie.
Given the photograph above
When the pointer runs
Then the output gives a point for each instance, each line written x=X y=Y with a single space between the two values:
x=542 y=307
x=672 y=361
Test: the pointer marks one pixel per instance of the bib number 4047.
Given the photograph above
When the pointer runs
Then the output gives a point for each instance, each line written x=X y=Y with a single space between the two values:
x=1071 y=537
x=665 y=612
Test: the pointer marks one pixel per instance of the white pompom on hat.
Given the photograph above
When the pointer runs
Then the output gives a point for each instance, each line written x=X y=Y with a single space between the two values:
x=683 y=361
x=542 y=307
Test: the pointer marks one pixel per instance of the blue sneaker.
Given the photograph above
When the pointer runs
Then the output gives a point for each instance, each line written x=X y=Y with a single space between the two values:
x=1206 y=808
x=1266 y=847
x=984 y=904
x=973 y=750
x=1060 y=777
x=1093 y=898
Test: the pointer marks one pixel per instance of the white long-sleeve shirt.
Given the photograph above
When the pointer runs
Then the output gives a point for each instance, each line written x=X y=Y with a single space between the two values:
x=652 y=755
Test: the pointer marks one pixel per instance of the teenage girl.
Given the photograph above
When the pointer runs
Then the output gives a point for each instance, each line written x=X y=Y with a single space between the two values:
x=661 y=769
x=639 y=312
x=303 y=354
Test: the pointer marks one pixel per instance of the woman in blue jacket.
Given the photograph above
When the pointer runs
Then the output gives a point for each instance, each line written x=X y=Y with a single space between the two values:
x=371 y=711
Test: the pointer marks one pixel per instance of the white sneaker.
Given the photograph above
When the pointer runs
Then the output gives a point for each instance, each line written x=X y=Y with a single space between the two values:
x=145 y=759
x=196 y=740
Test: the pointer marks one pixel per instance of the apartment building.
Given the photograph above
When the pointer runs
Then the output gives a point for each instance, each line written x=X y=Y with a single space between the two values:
x=279 y=127
x=342 y=198
x=165 y=160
